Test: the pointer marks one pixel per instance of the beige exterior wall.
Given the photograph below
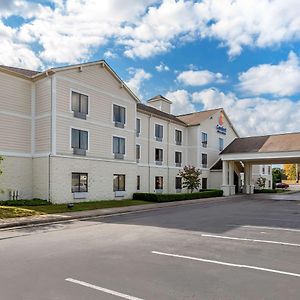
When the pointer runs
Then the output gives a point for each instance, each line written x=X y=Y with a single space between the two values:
x=40 y=177
x=17 y=176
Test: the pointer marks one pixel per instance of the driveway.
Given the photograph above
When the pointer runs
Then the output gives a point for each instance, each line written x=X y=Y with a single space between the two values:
x=244 y=248
x=284 y=196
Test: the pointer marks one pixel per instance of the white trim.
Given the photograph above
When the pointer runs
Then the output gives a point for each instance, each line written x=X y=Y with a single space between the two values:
x=81 y=129
x=112 y=143
x=163 y=138
x=261 y=156
x=95 y=159
x=44 y=115
x=33 y=99
x=94 y=88
x=53 y=114
x=112 y=112
x=176 y=128
x=14 y=114
x=15 y=154
x=81 y=93
x=162 y=154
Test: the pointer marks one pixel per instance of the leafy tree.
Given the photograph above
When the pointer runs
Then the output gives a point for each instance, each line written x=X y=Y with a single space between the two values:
x=191 y=178
x=290 y=171
x=278 y=175
x=261 y=182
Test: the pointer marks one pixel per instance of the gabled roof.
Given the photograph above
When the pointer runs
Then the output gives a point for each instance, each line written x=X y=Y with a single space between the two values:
x=20 y=71
x=197 y=118
x=153 y=111
x=269 y=143
x=159 y=97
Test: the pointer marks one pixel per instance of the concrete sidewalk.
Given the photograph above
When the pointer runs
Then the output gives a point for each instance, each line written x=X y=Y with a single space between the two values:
x=51 y=218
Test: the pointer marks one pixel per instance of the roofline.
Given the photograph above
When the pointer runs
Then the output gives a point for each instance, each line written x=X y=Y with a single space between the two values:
x=154 y=99
x=196 y=112
x=13 y=73
x=269 y=135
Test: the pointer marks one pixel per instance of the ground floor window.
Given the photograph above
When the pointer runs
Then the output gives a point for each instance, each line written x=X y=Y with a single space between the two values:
x=269 y=184
x=119 y=182
x=178 y=183
x=79 y=182
x=204 y=183
x=138 y=183
x=159 y=182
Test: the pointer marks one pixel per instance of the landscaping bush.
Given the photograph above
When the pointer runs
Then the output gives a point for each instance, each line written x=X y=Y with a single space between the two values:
x=176 y=197
x=32 y=202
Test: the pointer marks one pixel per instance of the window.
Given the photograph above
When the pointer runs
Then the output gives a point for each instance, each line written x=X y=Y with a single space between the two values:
x=178 y=137
x=159 y=132
x=221 y=144
x=269 y=184
x=138 y=152
x=204 y=139
x=118 y=147
x=159 y=182
x=178 y=159
x=79 y=141
x=79 y=182
x=138 y=182
x=263 y=169
x=119 y=116
x=119 y=182
x=269 y=170
x=138 y=127
x=79 y=105
x=204 y=160
x=178 y=183
x=204 y=183
x=158 y=156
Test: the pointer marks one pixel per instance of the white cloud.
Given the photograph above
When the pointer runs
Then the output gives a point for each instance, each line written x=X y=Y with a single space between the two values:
x=136 y=81
x=162 y=67
x=280 y=80
x=181 y=102
x=109 y=54
x=198 y=78
x=253 y=116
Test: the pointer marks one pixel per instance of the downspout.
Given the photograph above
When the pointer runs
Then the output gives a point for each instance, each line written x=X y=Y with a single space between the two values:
x=149 y=169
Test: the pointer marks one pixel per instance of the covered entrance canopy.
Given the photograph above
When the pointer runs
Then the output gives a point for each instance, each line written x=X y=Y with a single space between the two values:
x=257 y=150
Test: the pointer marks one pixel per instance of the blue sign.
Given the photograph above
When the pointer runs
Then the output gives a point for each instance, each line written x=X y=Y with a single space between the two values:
x=221 y=129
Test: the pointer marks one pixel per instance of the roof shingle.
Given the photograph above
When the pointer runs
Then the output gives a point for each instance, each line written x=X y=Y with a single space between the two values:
x=24 y=72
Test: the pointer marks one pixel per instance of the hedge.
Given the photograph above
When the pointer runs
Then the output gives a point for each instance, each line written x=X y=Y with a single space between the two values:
x=268 y=191
x=176 y=197
x=32 y=202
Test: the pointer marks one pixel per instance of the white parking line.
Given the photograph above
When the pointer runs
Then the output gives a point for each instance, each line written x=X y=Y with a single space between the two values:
x=104 y=290
x=249 y=240
x=268 y=227
x=227 y=264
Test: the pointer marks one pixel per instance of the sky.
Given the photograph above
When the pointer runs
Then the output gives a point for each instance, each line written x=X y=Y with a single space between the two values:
x=242 y=55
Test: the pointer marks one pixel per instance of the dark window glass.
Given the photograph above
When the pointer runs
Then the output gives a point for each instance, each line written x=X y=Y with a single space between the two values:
x=119 y=182
x=79 y=139
x=159 y=131
x=178 y=157
x=79 y=103
x=138 y=126
x=158 y=154
x=204 y=183
x=138 y=151
x=221 y=144
x=159 y=183
x=269 y=170
x=79 y=182
x=119 y=114
x=138 y=182
x=118 y=145
x=204 y=139
x=204 y=160
x=178 y=183
x=178 y=137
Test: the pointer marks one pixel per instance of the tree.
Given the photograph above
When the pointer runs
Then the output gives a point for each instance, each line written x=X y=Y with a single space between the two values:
x=261 y=182
x=191 y=178
x=278 y=175
x=290 y=171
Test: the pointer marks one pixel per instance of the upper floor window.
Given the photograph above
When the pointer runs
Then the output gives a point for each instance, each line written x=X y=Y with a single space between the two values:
x=79 y=182
x=79 y=105
x=178 y=137
x=221 y=144
x=119 y=113
x=269 y=170
x=119 y=182
x=79 y=141
x=138 y=153
x=138 y=182
x=138 y=127
x=118 y=147
x=263 y=169
x=204 y=160
x=158 y=156
x=159 y=132
x=204 y=139
x=178 y=159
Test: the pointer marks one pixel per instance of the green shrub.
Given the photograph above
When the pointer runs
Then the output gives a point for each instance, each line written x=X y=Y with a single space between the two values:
x=267 y=191
x=177 y=197
x=32 y=202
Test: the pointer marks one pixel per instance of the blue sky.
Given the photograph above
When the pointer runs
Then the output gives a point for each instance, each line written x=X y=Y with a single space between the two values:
x=242 y=55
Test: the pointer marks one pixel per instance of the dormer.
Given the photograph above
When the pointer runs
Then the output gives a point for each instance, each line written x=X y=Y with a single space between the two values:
x=161 y=103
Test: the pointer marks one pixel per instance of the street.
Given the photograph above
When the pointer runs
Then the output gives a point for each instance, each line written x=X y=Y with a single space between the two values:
x=244 y=248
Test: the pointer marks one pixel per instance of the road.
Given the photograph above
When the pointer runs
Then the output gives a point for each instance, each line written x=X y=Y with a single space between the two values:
x=244 y=248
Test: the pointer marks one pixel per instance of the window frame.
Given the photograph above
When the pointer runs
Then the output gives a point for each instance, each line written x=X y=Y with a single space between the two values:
x=158 y=138
x=118 y=188
x=140 y=152
x=178 y=143
x=161 y=187
x=113 y=115
x=87 y=182
x=204 y=142
x=221 y=148
x=138 y=133
x=80 y=129
x=204 y=166
x=178 y=163
x=162 y=156
x=176 y=187
x=138 y=182
x=119 y=137
x=81 y=93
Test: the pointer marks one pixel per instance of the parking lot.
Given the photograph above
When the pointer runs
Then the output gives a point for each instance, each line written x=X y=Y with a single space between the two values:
x=241 y=248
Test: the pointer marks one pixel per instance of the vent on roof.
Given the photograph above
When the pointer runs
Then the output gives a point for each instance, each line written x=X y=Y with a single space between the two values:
x=161 y=103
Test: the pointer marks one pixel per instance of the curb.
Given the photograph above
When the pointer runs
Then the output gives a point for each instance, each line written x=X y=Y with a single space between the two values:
x=50 y=219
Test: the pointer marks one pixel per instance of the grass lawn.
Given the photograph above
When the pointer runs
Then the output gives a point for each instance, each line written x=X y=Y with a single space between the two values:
x=23 y=211
x=16 y=212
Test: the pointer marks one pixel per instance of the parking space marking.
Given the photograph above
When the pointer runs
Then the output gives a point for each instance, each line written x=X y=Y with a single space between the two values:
x=104 y=290
x=265 y=227
x=227 y=264
x=249 y=240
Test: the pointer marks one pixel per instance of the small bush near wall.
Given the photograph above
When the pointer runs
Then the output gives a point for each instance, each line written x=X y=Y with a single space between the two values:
x=32 y=202
x=177 y=197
